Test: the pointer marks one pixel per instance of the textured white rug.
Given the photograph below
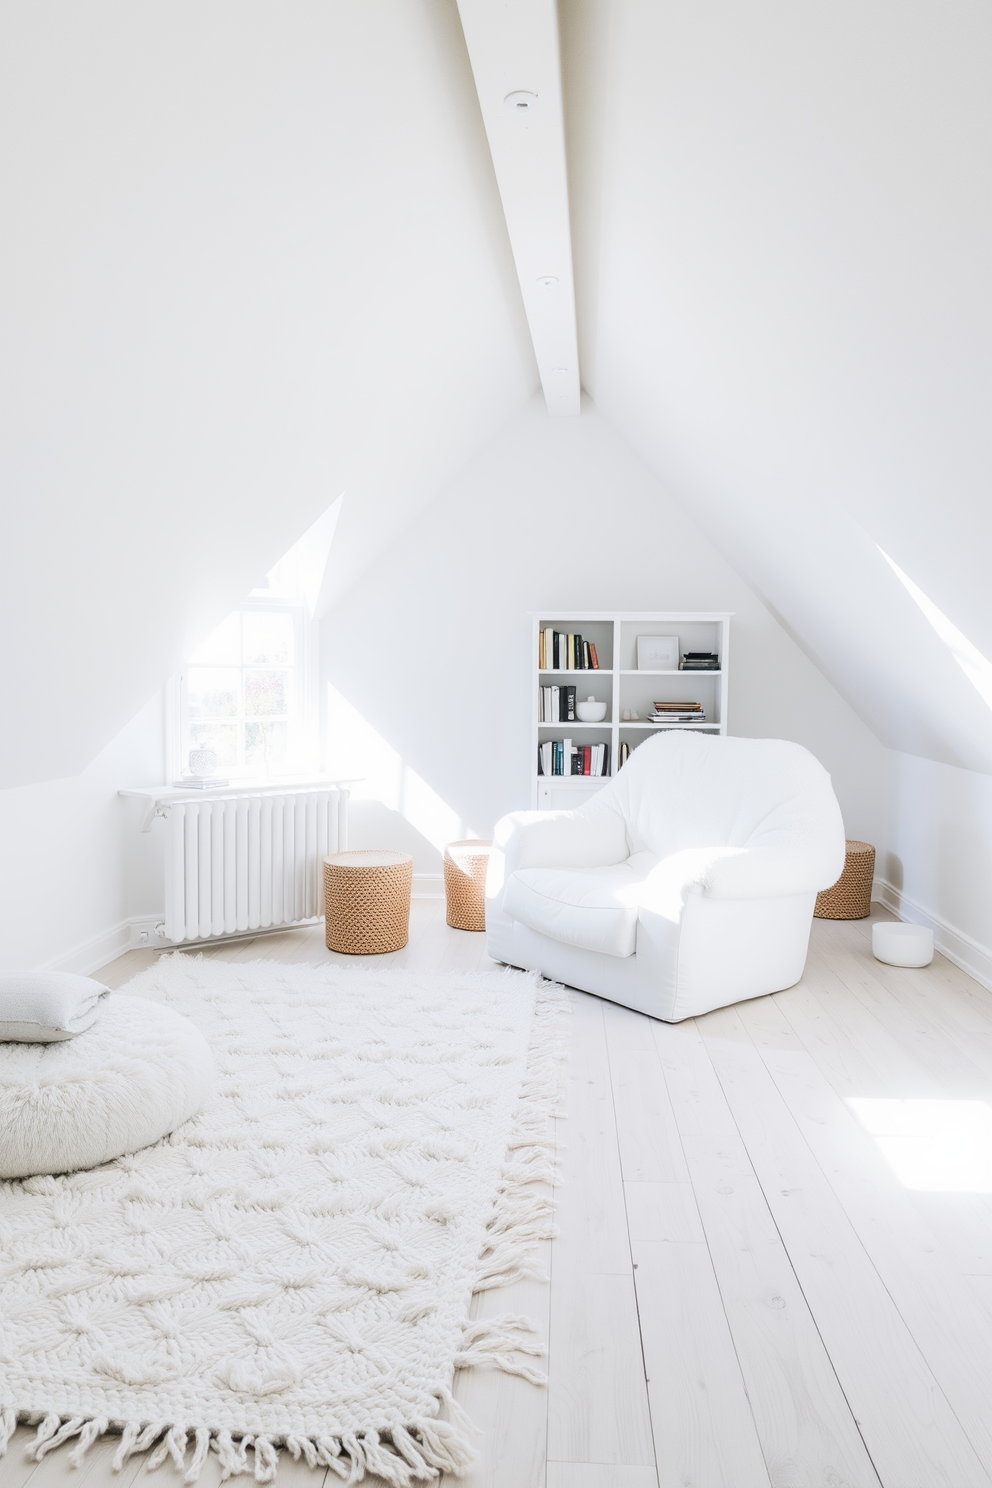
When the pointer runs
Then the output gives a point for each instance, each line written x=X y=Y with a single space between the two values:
x=292 y=1268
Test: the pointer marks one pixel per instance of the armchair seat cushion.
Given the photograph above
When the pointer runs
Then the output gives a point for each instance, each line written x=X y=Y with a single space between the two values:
x=593 y=908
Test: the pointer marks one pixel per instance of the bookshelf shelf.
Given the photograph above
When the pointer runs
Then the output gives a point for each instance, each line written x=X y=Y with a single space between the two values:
x=623 y=686
x=639 y=723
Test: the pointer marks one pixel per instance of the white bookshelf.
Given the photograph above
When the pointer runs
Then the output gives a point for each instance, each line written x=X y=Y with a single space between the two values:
x=624 y=687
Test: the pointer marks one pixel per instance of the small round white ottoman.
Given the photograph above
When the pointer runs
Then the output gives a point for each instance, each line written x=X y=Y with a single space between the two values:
x=135 y=1075
x=901 y=945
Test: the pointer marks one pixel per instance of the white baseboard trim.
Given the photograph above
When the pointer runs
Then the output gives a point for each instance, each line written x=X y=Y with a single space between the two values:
x=428 y=886
x=973 y=958
x=94 y=953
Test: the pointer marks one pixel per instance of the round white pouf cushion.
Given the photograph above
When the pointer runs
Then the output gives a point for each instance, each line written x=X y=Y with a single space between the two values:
x=135 y=1075
x=901 y=945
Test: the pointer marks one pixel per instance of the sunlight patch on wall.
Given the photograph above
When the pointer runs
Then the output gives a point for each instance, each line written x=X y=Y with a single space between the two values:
x=356 y=749
x=934 y=1146
x=976 y=667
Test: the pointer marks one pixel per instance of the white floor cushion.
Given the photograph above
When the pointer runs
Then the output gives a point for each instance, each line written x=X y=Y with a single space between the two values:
x=135 y=1075
x=595 y=908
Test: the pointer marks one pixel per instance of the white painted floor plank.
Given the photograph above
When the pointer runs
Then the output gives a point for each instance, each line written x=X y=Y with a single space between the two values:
x=804 y=1424
x=599 y=1475
x=597 y=1395
x=591 y=1214
x=954 y=1336
x=910 y=1430
x=647 y=1131
x=704 y=1432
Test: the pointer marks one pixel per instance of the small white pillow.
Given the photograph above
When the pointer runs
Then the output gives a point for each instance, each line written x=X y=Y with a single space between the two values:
x=41 y=1007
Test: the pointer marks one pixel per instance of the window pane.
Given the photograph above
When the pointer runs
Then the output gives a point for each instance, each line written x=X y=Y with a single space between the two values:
x=269 y=639
x=266 y=693
x=266 y=744
x=213 y=692
x=224 y=646
x=220 y=737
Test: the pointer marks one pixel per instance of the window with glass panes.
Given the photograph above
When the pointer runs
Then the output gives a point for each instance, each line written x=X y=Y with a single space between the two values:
x=242 y=691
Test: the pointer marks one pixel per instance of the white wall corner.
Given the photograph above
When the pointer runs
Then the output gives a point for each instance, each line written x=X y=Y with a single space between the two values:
x=91 y=954
x=428 y=886
x=972 y=957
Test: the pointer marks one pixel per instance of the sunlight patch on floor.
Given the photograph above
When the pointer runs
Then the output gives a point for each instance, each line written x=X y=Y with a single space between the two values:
x=935 y=1146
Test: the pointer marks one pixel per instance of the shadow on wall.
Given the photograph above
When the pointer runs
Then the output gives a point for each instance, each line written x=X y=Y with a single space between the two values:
x=392 y=806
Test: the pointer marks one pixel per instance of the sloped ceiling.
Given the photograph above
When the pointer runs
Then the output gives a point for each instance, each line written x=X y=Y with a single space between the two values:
x=257 y=258
x=254 y=257
x=782 y=245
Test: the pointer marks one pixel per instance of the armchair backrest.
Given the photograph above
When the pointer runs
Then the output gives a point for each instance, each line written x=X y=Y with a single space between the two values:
x=683 y=790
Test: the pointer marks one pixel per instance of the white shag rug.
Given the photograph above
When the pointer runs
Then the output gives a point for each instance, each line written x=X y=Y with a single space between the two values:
x=292 y=1268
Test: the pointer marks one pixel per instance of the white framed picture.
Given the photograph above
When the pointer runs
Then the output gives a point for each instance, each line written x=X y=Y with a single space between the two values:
x=657 y=653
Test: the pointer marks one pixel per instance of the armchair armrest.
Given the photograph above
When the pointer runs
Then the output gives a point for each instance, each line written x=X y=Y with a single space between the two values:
x=553 y=839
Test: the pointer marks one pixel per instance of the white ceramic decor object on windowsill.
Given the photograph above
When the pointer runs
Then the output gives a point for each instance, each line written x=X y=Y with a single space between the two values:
x=590 y=711
x=202 y=762
x=901 y=945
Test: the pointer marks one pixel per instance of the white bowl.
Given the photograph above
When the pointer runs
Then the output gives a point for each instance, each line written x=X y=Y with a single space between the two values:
x=589 y=711
x=901 y=945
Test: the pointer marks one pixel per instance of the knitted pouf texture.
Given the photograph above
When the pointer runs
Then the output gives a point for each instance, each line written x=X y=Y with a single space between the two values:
x=292 y=1268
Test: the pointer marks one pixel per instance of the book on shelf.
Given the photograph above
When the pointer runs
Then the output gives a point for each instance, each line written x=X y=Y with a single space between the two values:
x=676 y=712
x=556 y=704
x=561 y=651
x=670 y=717
x=699 y=661
x=624 y=754
x=562 y=757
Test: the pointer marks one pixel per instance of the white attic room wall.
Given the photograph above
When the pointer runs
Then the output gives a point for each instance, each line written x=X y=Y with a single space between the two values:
x=426 y=663
x=65 y=889
x=253 y=256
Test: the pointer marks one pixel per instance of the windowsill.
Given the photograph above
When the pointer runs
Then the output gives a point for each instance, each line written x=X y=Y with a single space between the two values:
x=235 y=787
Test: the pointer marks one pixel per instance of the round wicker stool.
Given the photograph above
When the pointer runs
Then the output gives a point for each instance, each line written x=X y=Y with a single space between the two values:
x=367 y=901
x=465 y=865
x=850 y=897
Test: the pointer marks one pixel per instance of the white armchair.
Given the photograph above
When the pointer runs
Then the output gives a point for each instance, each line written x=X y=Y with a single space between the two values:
x=686 y=883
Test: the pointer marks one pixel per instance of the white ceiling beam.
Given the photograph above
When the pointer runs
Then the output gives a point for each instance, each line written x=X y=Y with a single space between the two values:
x=515 y=56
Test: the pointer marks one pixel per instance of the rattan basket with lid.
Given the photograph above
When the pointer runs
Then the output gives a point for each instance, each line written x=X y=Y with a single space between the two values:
x=367 y=901
x=850 y=897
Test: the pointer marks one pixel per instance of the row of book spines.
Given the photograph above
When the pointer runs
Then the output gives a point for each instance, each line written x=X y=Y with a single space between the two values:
x=587 y=759
x=557 y=705
x=560 y=652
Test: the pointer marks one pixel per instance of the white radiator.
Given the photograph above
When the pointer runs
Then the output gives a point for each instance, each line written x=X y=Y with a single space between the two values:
x=248 y=861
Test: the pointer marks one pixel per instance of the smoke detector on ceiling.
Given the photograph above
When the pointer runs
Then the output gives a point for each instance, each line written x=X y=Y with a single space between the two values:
x=520 y=102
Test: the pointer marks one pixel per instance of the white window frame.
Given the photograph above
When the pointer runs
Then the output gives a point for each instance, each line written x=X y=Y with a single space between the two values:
x=177 y=721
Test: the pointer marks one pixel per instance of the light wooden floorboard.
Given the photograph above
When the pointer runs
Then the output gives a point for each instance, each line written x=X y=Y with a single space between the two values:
x=908 y=1426
x=742 y=1294
x=803 y=1421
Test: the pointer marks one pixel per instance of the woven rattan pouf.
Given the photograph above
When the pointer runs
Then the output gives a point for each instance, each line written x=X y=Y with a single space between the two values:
x=850 y=897
x=465 y=865
x=367 y=901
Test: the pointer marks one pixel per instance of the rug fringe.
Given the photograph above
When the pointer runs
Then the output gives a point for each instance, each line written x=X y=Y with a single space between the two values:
x=402 y=1456
x=494 y=1341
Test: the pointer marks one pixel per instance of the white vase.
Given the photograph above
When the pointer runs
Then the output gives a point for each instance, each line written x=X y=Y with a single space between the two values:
x=202 y=762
